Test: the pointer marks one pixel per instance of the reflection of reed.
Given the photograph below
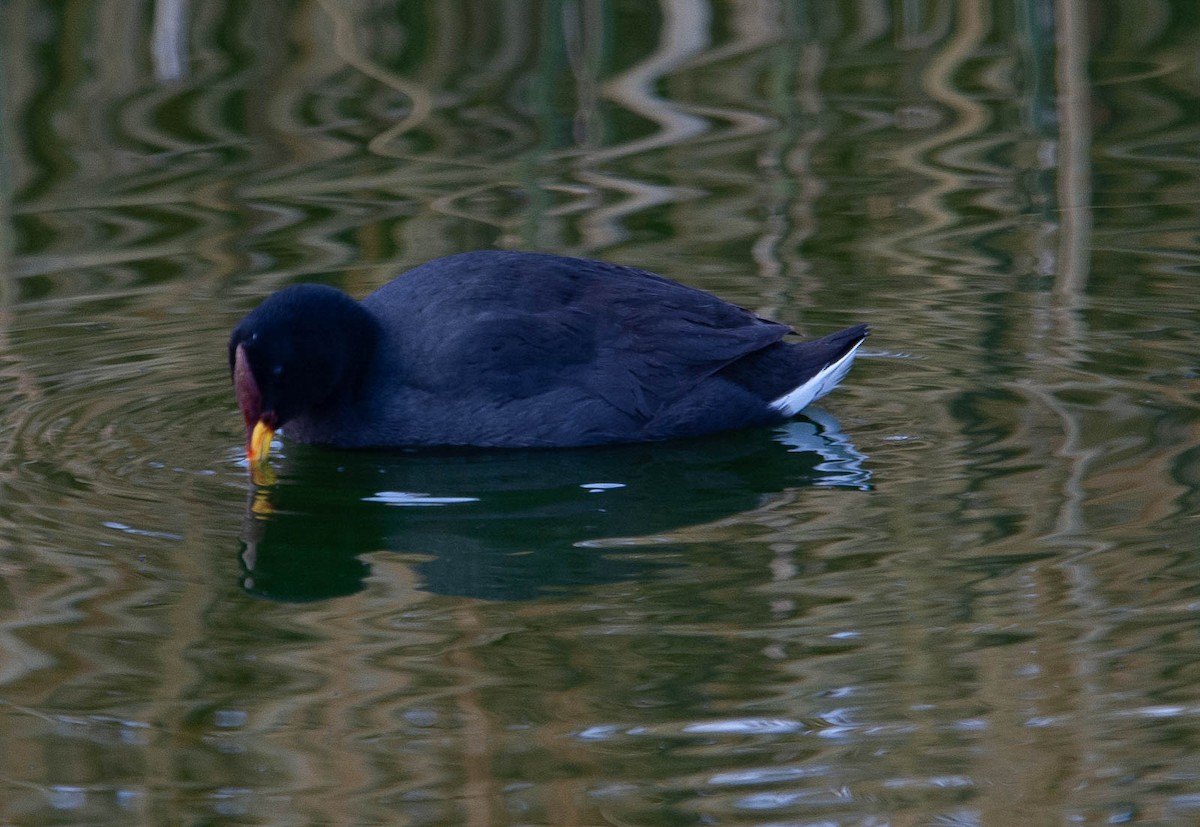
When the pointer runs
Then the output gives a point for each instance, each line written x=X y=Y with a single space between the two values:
x=169 y=40
x=1074 y=153
x=684 y=34
x=937 y=160
x=419 y=99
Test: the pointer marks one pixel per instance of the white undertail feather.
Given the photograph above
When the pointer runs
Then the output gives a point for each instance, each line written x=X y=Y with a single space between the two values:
x=826 y=379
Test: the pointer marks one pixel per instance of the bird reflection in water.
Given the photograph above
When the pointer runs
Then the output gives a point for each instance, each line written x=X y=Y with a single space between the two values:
x=515 y=524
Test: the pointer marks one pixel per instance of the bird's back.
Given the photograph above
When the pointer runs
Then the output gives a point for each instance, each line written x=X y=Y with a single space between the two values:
x=520 y=349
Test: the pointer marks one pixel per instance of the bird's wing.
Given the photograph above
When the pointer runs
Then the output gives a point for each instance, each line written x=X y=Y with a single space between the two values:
x=666 y=340
x=521 y=325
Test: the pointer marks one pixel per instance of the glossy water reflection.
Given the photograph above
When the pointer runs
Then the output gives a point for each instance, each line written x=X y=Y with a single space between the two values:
x=965 y=595
x=512 y=525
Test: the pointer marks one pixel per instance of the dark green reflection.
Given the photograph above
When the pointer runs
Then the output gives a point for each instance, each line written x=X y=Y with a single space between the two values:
x=509 y=525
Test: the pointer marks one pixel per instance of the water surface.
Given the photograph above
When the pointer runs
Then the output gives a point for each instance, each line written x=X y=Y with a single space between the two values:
x=962 y=591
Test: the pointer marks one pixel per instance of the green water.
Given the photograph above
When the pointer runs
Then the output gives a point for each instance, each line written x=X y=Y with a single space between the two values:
x=963 y=591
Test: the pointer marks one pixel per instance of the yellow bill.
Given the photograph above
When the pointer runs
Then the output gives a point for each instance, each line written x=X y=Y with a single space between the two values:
x=260 y=443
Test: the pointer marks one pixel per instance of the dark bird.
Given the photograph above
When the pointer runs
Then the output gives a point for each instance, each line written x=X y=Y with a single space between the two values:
x=506 y=349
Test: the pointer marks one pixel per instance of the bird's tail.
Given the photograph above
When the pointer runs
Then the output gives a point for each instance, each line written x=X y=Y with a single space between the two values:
x=824 y=363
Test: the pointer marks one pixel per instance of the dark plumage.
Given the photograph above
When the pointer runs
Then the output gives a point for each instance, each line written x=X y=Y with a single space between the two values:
x=512 y=349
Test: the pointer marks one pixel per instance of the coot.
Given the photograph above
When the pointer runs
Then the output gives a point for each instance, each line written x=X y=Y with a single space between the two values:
x=506 y=349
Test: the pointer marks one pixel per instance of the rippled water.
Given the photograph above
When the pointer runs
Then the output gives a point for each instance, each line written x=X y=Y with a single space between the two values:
x=963 y=591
